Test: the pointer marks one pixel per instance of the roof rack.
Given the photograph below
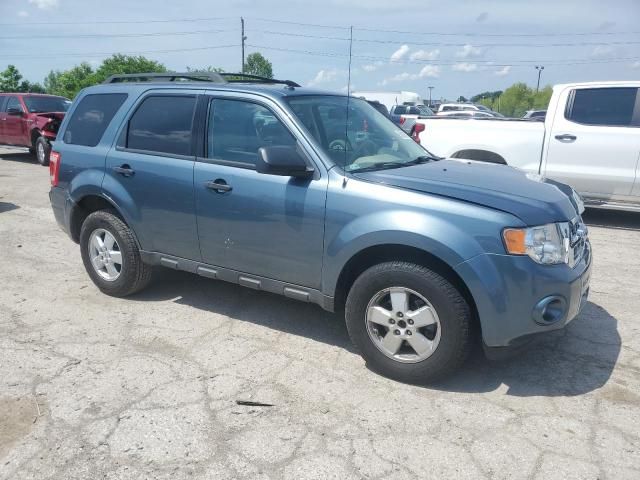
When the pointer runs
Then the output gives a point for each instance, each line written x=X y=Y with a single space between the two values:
x=169 y=76
x=243 y=77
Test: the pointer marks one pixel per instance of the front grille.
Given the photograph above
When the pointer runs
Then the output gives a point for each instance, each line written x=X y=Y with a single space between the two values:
x=578 y=240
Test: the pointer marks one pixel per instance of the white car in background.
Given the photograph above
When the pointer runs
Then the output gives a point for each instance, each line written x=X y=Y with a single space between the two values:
x=590 y=139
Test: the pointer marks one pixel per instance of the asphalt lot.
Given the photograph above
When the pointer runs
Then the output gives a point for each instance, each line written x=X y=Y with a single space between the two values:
x=97 y=387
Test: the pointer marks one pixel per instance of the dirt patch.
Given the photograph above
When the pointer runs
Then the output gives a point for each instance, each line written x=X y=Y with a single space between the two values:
x=17 y=418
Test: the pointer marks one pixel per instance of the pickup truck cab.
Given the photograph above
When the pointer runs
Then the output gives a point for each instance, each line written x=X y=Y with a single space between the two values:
x=31 y=120
x=316 y=196
x=590 y=139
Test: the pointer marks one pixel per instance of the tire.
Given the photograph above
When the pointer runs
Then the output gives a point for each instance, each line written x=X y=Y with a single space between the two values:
x=132 y=275
x=448 y=333
x=42 y=150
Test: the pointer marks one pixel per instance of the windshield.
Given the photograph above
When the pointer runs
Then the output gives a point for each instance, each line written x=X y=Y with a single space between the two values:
x=424 y=110
x=359 y=139
x=47 y=104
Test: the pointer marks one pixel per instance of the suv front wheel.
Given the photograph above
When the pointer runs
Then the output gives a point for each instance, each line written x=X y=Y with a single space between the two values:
x=42 y=150
x=111 y=256
x=409 y=322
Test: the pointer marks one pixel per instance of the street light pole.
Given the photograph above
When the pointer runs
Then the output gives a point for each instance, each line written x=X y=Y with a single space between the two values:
x=539 y=68
x=430 y=89
x=242 y=38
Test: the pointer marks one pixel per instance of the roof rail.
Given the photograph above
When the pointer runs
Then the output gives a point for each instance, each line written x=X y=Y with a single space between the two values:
x=169 y=76
x=243 y=77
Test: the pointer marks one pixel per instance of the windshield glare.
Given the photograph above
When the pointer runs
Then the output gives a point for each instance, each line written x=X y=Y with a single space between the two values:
x=357 y=139
x=47 y=104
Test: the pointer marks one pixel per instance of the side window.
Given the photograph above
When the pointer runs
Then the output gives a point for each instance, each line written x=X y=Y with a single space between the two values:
x=91 y=118
x=237 y=129
x=3 y=102
x=603 y=106
x=163 y=124
x=400 y=110
x=414 y=111
x=13 y=104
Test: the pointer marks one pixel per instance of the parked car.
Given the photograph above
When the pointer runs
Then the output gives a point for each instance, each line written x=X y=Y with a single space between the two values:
x=379 y=107
x=31 y=120
x=460 y=107
x=535 y=115
x=389 y=99
x=467 y=114
x=331 y=204
x=405 y=115
x=590 y=139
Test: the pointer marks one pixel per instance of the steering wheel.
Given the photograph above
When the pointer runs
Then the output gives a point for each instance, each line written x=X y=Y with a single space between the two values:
x=340 y=145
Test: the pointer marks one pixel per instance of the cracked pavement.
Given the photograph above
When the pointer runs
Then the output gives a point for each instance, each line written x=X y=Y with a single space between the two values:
x=146 y=387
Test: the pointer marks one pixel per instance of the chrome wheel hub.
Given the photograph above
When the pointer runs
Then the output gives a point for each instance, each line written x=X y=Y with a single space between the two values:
x=403 y=324
x=105 y=254
x=40 y=151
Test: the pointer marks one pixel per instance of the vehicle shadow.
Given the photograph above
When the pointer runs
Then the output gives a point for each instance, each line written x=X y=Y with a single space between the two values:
x=7 y=207
x=22 y=156
x=568 y=362
x=612 y=219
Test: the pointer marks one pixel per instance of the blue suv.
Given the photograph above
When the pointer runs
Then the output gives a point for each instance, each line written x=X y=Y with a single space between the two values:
x=320 y=198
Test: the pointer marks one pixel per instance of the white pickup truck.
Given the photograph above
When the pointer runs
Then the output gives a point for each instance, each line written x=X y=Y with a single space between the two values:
x=590 y=140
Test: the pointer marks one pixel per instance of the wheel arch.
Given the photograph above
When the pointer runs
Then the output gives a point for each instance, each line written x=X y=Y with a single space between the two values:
x=85 y=206
x=374 y=255
x=34 y=135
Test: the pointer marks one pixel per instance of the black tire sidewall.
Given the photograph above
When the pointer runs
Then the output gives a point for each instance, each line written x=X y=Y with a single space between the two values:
x=47 y=151
x=452 y=310
x=128 y=275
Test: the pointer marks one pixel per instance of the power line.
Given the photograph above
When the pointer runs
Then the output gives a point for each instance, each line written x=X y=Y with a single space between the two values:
x=441 y=44
x=116 y=35
x=120 y=22
x=486 y=63
x=138 y=52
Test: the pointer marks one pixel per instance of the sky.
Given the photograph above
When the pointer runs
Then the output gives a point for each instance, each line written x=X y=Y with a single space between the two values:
x=459 y=47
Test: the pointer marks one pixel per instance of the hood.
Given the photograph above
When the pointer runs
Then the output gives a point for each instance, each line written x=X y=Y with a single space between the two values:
x=495 y=186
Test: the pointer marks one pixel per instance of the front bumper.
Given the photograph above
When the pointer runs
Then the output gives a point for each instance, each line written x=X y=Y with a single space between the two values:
x=509 y=290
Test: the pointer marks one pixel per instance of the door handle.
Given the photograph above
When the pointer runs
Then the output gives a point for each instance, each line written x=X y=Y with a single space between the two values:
x=218 y=186
x=124 y=170
x=565 y=137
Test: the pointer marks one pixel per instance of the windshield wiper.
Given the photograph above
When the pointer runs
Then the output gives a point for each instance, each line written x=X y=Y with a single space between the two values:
x=378 y=166
x=422 y=159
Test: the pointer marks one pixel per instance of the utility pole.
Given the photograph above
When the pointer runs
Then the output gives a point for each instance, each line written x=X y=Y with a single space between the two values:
x=539 y=68
x=430 y=88
x=350 y=50
x=243 y=38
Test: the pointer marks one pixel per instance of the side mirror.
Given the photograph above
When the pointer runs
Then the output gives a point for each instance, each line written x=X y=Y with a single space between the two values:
x=14 y=111
x=282 y=160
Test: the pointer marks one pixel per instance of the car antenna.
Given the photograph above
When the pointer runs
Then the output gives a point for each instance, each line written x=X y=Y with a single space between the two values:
x=346 y=123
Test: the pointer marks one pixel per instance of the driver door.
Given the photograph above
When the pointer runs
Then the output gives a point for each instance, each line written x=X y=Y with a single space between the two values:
x=266 y=225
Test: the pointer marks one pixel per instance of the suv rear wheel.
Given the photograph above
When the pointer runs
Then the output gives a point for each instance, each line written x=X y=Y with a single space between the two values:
x=410 y=323
x=111 y=256
x=43 y=150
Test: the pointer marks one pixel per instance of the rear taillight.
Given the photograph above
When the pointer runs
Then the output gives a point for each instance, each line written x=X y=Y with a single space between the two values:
x=402 y=120
x=54 y=167
x=417 y=129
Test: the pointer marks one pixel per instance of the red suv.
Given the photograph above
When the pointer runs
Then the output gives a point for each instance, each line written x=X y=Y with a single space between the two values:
x=31 y=120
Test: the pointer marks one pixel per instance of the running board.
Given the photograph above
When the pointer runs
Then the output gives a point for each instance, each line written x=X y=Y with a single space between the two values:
x=295 y=292
x=625 y=207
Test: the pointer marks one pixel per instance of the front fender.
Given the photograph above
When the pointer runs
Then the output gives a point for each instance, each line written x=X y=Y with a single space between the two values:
x=414 y=229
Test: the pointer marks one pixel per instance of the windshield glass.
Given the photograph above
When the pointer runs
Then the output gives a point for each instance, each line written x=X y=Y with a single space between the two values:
x=424 y=110
x=47 y=104
x=359 y=139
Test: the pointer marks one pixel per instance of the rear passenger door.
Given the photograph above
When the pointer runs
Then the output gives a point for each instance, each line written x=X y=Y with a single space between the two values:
x=149 y=172
x=266 y=225
x=594 y=141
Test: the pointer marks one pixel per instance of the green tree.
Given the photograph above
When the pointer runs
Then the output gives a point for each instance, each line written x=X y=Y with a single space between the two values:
x=119 y=64
x=462 y=99
x=486 y=96
x=10 y=79
x=27 y=86
x=257 y=64
x=516 y=100
x=69 y=82
x=209 y=69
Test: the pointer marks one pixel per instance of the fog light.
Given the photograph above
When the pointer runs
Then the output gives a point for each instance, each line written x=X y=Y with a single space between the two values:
x=550 y=310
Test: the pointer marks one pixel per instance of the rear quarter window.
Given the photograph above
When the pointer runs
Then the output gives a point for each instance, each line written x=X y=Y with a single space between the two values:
x=91 y=118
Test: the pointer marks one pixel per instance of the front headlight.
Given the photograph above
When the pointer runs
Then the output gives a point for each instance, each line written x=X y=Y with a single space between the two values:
x=544 y=244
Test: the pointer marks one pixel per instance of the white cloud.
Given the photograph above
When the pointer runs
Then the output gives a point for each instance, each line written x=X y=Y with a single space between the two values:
x=324 y=76
x=45 y=4
x=425 y=55
x=503 y=71
x=372 y=67
x=469 y=51
x=603 y=52
x=465 y=67
x=400 y=53
x=23 y=13
x=432 y=71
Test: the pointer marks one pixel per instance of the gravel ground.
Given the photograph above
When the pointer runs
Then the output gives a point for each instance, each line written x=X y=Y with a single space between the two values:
x=99 y=387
